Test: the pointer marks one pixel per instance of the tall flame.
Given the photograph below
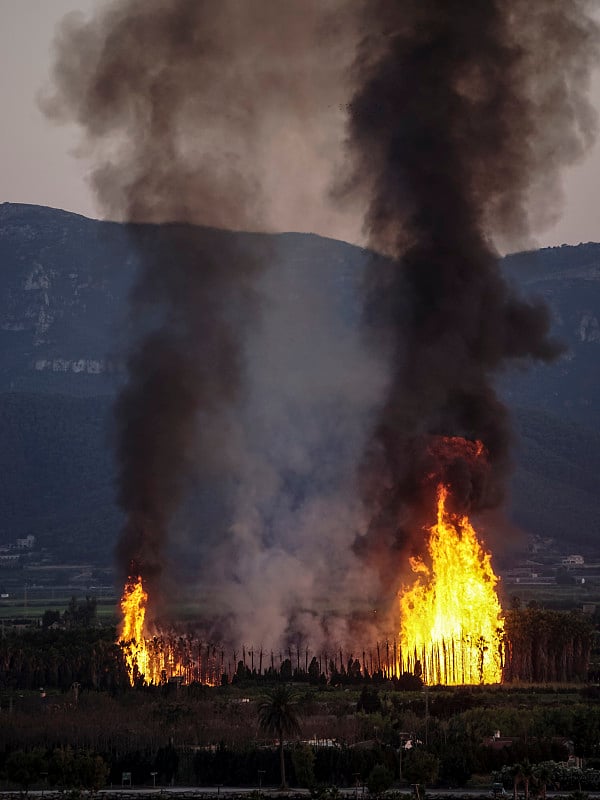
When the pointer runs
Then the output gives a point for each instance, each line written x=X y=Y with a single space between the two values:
x=451 y=618
x=155 y=659
x=133 y=609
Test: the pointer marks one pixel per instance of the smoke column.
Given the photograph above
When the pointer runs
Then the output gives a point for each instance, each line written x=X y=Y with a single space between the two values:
x=140 y=81
x=461 y=118
x=207 y=112
x=212 y=113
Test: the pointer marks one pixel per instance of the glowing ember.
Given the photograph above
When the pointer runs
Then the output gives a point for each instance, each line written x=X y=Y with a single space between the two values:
x=451 y=622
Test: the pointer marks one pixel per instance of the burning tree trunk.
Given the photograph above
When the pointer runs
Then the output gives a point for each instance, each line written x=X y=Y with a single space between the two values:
x=456 y=117
x=452 y=613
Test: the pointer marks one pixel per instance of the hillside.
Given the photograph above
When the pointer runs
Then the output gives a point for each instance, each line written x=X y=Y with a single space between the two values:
x=555 y=484
x=64 y=330
x=57 y=474
x=568 y=278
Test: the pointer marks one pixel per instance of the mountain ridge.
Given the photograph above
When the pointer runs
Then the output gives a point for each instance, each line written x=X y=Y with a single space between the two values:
x=65 y=331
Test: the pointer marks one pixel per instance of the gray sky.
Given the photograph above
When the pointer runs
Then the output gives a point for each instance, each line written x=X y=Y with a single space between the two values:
x=38 y=162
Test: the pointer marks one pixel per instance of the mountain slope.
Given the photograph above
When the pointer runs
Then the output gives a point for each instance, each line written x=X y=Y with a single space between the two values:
x=57 y=474
x=64 y=330
x=555 y=484
x=568 y=278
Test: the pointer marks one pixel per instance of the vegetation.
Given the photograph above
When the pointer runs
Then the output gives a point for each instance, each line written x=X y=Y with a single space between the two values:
x=380 y=778
x=64 y=769
x=58 y=658
x=24 y=768
x=87 y=724
x=553 y=489
x=279 y=714
x=233 y=735
x=58 y=474
x=546 y=646
x=422 y=766
x=303 y=760
x=542 y=646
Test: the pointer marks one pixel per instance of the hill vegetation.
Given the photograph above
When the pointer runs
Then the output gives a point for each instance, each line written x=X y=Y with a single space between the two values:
x=57 y=474
x=64 y=330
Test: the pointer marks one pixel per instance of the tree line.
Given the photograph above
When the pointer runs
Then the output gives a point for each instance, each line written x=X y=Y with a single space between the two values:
x=545 y=646
x=540 y=646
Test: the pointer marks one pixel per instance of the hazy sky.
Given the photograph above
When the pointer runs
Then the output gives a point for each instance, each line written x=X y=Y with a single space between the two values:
x=37 y=158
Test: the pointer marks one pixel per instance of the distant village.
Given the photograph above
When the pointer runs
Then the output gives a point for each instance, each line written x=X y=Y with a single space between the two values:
x=29 y=572
x=542 y=563
x=12 y=552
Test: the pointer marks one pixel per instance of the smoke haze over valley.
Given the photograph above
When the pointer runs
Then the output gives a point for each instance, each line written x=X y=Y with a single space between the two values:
x=286 y=407
x=62 y=410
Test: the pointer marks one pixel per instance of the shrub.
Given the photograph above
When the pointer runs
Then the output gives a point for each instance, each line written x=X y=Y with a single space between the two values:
x=380 y=778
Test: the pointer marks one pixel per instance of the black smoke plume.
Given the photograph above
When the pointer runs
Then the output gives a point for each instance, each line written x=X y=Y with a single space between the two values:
x=195 y=112
x=208 y=112
x=462 y=115
x=163 y=99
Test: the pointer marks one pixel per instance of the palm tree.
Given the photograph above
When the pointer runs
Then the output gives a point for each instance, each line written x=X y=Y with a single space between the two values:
x=543 y=775
x=517 y=776
x=278 y=715
x=526 y=775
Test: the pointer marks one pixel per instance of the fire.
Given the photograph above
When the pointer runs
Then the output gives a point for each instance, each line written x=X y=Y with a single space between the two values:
x=451 y=618
x=156 y=659
x=133 y=609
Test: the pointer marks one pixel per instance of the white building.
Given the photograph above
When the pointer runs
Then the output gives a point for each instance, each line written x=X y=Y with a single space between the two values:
x=27 y=543
x=573 y=561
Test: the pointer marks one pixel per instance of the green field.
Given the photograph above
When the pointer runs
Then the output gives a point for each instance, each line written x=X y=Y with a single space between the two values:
x=106 y=609
x=31 y=605
x=554 y=596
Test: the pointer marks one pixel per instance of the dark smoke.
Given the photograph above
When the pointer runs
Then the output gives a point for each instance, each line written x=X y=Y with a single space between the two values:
x=463 y=115
x=210 y=112
x=140 y=79
x=194 y=112
x=186 y=370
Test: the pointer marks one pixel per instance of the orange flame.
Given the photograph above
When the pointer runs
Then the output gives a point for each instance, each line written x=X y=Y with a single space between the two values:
x=133 y=608
x=451 y=618
x=155 y=659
